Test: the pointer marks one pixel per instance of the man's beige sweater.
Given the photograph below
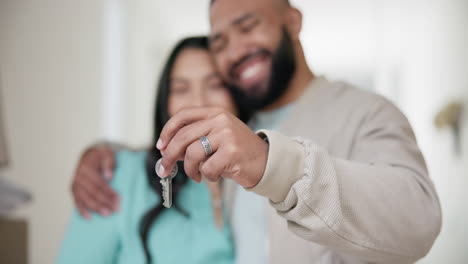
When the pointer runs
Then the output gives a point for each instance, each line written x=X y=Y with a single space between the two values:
x=347 y=182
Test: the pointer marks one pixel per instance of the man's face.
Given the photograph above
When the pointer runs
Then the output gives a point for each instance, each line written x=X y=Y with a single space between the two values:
x=252 y=48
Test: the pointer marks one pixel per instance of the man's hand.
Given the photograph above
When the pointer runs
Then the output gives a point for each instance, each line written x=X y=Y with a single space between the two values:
x=238 y=153
x=90 y=187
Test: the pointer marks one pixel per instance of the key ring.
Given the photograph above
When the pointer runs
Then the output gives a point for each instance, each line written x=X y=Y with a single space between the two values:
x=173 y=171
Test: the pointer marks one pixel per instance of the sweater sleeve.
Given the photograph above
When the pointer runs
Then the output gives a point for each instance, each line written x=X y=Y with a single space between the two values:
x=380 y=205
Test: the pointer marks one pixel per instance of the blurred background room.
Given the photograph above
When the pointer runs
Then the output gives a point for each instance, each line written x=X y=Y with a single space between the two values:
x=76 y=72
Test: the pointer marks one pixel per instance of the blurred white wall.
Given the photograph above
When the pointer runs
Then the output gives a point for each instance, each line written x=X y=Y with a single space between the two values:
x=68 y=80
x=50 y=63
x=433 y=73
x=153 y=29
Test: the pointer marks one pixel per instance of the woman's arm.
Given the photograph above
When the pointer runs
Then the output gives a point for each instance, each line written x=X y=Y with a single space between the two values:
x=90 y=241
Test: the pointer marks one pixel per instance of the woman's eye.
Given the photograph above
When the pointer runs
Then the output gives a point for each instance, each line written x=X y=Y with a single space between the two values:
x=179 y=90
x=216 y=86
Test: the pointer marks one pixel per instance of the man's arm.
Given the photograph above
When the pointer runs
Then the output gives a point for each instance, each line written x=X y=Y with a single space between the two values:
x=380 y=205
x=90 y=187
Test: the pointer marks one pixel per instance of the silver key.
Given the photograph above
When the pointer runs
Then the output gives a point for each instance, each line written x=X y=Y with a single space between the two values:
x=166 y=184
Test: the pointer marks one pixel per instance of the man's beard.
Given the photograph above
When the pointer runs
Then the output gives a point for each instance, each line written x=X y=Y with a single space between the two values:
x=283 y=67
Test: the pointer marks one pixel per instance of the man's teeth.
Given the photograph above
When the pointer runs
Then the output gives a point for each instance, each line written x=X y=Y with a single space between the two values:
x=250 y=72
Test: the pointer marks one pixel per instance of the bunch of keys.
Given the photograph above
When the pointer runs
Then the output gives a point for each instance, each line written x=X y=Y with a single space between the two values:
x=166 y=184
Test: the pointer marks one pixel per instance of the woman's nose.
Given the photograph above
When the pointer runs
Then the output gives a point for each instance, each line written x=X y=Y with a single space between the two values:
x=199 y=99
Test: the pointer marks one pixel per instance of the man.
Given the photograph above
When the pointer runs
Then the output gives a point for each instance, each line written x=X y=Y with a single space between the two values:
x=345 y=180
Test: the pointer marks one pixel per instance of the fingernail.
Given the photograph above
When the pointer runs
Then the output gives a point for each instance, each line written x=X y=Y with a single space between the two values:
x=108 y=174
x=105 y=212
x=159 y=144
x=87 y=216
x=161 y=171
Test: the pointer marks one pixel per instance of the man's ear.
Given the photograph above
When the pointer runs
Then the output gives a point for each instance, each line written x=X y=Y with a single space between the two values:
x=294 y=22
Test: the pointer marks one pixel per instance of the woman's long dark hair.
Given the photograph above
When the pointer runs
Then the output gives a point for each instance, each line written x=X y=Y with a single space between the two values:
x=161 y=116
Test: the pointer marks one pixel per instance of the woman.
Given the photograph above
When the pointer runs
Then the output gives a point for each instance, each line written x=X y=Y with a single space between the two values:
x=143 y=231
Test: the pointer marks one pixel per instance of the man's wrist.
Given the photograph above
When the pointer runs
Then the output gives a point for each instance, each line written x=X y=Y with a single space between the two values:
x=284 y=166
x=263 y=161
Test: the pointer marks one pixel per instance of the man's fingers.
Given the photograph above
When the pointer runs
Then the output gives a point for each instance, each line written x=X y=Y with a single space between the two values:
x=96 y=182
x=178 y=146
x=214 y=167
x=83 y=211
x=92 y=187
x=194 y=156
x=181 y=119
x=87 y=201
x=90 y=191
x=98 y=190
x=107 y=162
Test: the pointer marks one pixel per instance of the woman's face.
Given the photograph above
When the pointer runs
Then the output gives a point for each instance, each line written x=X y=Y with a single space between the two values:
x=195 y=82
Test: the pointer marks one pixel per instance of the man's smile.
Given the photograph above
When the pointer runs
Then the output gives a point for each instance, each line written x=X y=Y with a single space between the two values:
x=253 y=71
